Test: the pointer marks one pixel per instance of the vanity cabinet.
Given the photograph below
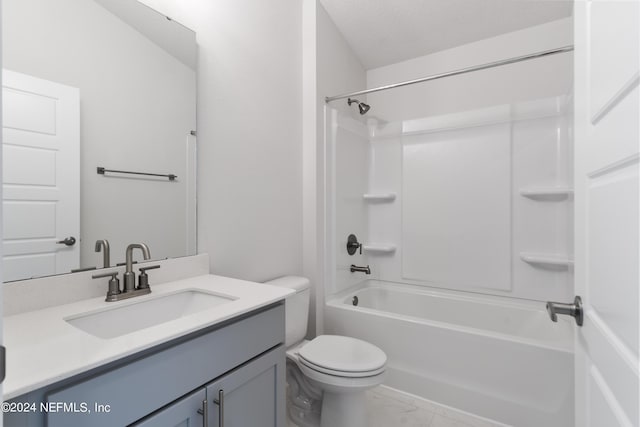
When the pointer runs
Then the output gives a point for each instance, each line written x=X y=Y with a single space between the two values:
x=187 y=411
x=241 y=361
x=246 y=397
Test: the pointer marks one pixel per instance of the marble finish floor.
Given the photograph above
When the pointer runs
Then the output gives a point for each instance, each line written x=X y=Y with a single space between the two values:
x=388 y=407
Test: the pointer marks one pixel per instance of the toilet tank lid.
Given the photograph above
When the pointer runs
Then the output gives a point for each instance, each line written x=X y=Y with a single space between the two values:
x=296 y=283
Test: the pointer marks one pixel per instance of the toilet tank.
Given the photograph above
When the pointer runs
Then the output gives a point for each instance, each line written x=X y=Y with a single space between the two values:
x=296 y=307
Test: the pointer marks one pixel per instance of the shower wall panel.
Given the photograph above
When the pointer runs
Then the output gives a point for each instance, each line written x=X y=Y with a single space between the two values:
x=351 y=183
x=483 y=200
x=456 y=208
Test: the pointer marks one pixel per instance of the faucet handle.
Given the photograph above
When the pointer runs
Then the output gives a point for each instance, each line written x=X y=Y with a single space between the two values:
x=114 y=285
x=143 y=279
x=113 y=275
x=353 y=245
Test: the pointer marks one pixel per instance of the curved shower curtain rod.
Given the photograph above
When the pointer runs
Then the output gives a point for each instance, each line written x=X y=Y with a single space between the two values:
x=563 y=49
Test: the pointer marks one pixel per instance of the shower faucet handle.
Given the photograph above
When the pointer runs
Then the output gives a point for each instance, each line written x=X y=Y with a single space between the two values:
x=353 y=245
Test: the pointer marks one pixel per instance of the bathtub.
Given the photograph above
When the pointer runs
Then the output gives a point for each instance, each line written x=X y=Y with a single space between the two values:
x=496 y=357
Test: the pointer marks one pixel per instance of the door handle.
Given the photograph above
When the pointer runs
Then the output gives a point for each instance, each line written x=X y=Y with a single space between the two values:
x=220 y=402
x=69 y=241
x=574 y=310
x=204 y=411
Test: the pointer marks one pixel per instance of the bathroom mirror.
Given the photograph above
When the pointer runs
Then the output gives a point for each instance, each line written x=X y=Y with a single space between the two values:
x=92 y=89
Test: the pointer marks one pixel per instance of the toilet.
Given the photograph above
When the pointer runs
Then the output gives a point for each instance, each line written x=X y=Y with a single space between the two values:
x=326 y=377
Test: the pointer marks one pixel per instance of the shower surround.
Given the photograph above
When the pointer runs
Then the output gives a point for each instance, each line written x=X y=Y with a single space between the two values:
x=465 y=221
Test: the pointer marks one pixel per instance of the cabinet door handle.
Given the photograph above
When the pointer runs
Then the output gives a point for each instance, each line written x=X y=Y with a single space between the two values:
x=205 y=413
x=220 y=402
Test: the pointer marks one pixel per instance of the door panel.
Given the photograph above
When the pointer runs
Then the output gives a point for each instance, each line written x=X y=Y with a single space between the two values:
x=252 y=395
x=31 y=112
x=607 y=198
x=613 y=49
x=41 y=172
x=603 y=406
x=29 y=166
x=612 y=195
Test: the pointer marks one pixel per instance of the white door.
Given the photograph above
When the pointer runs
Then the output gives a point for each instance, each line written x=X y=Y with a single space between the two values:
x=607 y=137
x=41 y=176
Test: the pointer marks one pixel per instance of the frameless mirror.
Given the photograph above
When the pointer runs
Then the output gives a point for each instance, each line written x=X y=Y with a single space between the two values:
x=99 y=115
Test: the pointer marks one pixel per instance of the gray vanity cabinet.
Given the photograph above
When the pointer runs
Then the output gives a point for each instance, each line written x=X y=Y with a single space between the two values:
x=186 y=412
x=244 y=358
x=250 y=396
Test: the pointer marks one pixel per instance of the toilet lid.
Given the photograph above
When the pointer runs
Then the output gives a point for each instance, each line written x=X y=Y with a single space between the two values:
x=340 y=354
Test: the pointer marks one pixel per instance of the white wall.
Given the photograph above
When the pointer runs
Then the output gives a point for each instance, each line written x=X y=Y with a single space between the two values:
x=339 y=70
x=539 y=78
x=249 y=133
x=330 y=67
x=1 y=230
x=137 y=109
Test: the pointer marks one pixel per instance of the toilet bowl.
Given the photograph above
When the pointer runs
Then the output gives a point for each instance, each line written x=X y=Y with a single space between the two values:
x=328 y=374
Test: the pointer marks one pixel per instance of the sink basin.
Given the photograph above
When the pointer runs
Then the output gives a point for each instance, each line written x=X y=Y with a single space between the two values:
x=122 y=320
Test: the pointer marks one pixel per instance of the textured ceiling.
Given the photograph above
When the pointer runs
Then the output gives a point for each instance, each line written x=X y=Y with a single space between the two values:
x=383 y=32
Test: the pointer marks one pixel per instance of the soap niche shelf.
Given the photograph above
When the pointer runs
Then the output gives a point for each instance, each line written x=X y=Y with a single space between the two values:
x=546 y=260
x=379 y=197
x=547 y=193
x=379 y=249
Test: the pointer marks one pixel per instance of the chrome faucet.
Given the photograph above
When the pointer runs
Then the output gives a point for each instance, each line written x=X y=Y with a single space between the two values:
x=129 y=275
x=106 y=252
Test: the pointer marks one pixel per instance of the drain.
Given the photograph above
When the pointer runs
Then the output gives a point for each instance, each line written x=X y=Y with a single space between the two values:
x=354 y=301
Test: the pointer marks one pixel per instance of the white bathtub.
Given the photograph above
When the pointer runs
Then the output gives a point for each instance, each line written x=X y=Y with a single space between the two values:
x=495 y=357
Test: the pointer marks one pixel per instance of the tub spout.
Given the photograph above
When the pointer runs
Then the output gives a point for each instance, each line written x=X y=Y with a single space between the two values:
x=365 y=270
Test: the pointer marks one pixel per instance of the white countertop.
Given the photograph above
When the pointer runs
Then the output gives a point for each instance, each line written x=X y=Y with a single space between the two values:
x=42 y=348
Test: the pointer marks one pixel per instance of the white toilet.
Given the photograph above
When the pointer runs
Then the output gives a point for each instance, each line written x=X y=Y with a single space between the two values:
x=326 y=377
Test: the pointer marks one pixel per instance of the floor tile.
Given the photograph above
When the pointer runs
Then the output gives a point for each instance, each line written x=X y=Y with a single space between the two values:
x=386 y=411
x=388 y=407
x=442 y=414
x=442 y=421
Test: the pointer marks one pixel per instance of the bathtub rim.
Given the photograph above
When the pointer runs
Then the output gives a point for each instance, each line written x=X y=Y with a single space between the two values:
x=337 y=300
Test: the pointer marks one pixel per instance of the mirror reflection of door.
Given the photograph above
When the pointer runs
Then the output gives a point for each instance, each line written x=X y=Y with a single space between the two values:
x=41 y=169
x=136 y=72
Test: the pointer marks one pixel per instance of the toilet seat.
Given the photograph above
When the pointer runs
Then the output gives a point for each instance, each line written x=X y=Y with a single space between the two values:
x=345 y=374
x=342 y=357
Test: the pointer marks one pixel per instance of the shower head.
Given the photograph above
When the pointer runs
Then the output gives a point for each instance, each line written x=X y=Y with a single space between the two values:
x=361 y=105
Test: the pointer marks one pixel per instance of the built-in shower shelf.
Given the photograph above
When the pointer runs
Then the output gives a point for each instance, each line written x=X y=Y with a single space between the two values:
x=549 y=193
x=379 y=197
x=546 y=259
x=381 y=249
